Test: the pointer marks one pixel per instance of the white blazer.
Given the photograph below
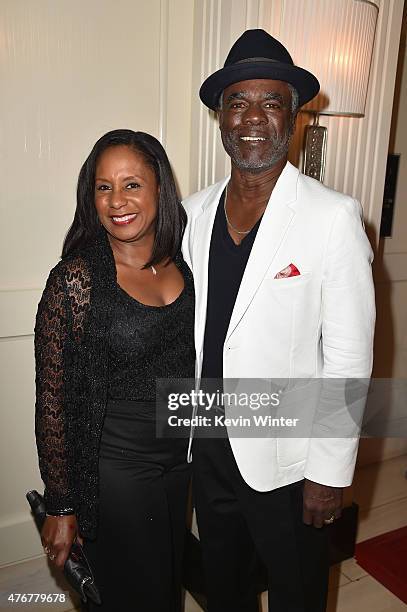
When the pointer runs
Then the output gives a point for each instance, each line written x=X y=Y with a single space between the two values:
x=319 y=324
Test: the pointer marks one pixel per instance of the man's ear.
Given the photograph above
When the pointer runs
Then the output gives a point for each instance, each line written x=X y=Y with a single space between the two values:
x=294 y=122
x=219 y=116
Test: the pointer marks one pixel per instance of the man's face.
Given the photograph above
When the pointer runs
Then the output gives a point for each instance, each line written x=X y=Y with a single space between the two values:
x=256 y=123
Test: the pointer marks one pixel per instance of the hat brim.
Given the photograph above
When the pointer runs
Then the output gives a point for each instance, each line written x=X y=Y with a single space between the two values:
x=304 y=82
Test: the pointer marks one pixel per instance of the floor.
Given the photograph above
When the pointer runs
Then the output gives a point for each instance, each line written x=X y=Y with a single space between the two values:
x=379 y=489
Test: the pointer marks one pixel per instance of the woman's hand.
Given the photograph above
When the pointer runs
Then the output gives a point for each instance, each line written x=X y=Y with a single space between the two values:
x=57 y=536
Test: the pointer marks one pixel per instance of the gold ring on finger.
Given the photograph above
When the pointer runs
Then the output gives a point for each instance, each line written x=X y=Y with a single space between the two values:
x=330 y=520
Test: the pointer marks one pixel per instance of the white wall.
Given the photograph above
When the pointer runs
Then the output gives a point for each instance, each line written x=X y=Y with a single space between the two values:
x=70 y=71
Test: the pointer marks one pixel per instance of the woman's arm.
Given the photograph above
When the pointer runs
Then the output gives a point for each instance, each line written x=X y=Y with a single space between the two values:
x=51 y=333
x=61 y=315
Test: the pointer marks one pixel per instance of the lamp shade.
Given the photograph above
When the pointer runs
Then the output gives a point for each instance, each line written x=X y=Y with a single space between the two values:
x=337 y=47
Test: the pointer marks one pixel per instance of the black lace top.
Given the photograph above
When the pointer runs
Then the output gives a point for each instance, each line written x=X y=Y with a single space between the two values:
x=73 y=324
x=150 y=342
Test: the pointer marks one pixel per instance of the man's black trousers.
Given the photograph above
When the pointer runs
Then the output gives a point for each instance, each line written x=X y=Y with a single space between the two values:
x=236 y=522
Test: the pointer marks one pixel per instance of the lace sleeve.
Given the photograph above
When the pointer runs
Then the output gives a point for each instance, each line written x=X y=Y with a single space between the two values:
x=59 y=321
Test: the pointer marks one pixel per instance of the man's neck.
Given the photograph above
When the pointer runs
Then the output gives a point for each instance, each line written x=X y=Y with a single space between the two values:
x=250 y=188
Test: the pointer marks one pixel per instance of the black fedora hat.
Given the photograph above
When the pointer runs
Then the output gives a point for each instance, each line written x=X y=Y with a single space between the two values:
x=257 y=55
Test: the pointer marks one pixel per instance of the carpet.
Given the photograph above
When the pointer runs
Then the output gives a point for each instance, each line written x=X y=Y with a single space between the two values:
x=385 y=558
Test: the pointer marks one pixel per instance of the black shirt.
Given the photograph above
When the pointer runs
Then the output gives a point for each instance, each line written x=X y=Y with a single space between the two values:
x=227 y=262
x=150 y=342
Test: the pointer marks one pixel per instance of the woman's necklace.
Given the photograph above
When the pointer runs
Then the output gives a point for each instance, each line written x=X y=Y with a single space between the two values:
x=244 y=233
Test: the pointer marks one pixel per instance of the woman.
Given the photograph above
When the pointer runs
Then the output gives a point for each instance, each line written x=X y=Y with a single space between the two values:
x=116 y=314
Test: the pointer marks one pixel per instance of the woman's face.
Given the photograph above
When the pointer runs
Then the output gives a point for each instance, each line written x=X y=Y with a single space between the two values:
x=126 y=194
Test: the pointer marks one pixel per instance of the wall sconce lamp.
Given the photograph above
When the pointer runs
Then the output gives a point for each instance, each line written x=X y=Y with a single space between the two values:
x=343 y=38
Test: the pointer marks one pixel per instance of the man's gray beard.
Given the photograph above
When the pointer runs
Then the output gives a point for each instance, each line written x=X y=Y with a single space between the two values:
x=278 y=150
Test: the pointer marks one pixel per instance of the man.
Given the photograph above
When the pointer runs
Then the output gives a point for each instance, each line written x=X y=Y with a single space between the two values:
x=282 y=271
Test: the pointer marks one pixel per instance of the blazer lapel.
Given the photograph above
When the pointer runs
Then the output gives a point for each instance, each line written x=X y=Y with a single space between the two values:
x=276 y=220
x=201 y=246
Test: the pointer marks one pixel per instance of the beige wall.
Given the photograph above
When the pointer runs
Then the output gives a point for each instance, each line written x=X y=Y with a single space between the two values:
x=391 y=270
x=70 y=71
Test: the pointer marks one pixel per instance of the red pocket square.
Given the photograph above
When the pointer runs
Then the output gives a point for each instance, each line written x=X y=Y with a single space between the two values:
x=290 y=270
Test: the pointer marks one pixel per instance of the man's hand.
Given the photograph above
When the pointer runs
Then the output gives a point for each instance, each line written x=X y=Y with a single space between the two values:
x=321 y=503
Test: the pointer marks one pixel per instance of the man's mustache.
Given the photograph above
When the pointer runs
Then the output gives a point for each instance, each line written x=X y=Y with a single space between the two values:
x=234 y=135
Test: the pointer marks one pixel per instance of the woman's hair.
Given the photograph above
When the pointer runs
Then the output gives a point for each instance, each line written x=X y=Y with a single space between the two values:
x=171 y=217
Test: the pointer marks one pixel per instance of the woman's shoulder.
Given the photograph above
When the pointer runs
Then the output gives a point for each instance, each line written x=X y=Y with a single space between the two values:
x=68 y=288
x=73 y=266
x=89 y=265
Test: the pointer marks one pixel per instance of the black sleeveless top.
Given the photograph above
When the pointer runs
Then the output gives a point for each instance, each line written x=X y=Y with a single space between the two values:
x=150 y=342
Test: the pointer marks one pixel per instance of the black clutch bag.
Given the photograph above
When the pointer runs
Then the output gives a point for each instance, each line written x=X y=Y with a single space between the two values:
x=76 y=569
